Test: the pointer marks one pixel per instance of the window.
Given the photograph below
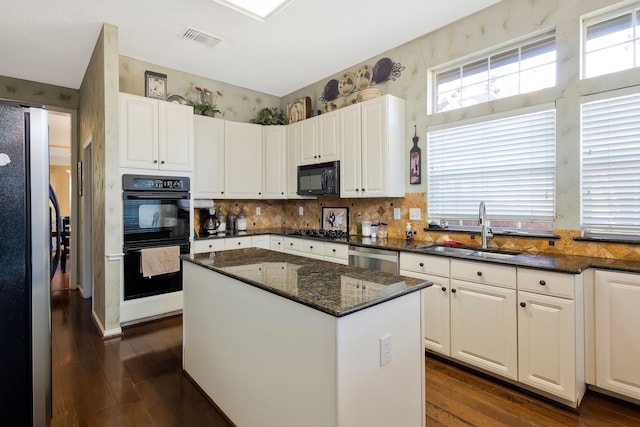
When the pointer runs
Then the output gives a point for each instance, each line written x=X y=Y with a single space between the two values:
x=612 y=43
x=509 y=163
x=611 y=163
x=525 y=68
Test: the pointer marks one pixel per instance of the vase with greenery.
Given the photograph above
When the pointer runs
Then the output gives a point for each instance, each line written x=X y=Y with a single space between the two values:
x=270 y=116
x=205 y=103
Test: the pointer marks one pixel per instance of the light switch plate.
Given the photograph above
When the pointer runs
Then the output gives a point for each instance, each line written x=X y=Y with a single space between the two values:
x=396 y=213
x=414 y=214
x=258 y=210
x=385 y=350
x=300 y=210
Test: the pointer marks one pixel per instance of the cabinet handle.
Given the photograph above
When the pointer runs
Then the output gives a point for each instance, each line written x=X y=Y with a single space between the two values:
x=310 y=247
x=239 y=243
x=315 y=157
x=278 y=243
x=155 y=161
x=357 y=189
x=523 y=304
x=542 y=283
x=162 y=162
x=259 y=193
x=290 y=244
x=363 y=190
x=444 y=289
x=222 y=192
x=421 y=264
x=479 y=273
x=334 y=251
x=453 y=291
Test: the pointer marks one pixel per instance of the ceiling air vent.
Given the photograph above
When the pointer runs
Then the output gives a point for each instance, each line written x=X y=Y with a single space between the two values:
x=201 y=37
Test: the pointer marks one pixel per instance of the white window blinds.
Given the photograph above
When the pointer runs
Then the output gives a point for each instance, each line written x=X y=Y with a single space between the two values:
x=509 y=163
x=611 y=163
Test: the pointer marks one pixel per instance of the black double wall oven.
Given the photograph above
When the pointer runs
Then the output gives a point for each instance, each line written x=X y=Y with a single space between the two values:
x=155 y=215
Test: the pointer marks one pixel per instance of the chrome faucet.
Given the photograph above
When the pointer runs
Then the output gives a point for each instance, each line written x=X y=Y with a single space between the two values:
x=482 y=222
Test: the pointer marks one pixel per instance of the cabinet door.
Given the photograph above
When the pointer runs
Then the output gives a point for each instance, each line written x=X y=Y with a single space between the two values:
x=483 y=327
x=237 y=242
x=547 y=344
x=243 y=160
x=308 y=148
x=617 y=335
x=293 y=144
x=208 y=177
x=276 y=243
x=138 y=132
x=262 y=241
x=274 y=178
x=436 y=315
x=329 y=137
x=350 y=143
x=175 y=137
x=374 y=148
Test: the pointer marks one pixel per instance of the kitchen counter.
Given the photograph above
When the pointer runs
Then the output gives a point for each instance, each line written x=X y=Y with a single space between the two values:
x=317 y=284
x=570 y=264
x=303 y=342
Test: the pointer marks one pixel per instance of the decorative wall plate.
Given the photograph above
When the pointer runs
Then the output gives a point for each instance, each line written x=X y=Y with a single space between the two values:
x=299 y=109
x=346 y=84
x=382 y=70
x=331 y=90
x=363 y=77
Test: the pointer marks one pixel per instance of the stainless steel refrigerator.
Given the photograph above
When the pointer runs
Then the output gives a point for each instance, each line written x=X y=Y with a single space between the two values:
x=25 y=267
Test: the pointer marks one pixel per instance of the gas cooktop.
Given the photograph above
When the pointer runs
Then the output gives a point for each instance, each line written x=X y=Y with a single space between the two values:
x=322 y=233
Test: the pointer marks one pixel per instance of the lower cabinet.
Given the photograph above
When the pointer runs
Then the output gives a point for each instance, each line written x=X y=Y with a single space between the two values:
x=483 y=327
x=617 y=336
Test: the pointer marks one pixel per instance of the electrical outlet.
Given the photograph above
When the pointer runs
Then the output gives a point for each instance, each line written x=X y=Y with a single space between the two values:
x=385 y=350
x=414 y=214
x=300 y=210
x=396 y=213
x=258 y=210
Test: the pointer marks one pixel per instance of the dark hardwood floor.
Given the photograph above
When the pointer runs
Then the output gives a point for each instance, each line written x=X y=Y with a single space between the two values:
x=137 y=380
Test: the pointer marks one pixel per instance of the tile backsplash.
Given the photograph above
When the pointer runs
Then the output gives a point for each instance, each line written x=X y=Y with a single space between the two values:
x=285 y=213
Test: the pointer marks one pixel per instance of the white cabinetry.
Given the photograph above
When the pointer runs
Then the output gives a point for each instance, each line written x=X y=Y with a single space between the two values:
x=336 y=252
x=208 y=176
x=483 y=316
x=274 y=178
x=551 y=333
x=238 y=242
x=304 y=247
x=243 y=160
x=210 y=245
x=436 y=326
x=155 y=134
x=373 y=148
x=276 y=243
x=617 y=341
x=319 y=140
x=262 y=241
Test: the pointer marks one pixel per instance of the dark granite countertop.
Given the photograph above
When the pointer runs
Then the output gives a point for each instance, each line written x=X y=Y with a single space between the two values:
x=335 y=289
x=570 y=264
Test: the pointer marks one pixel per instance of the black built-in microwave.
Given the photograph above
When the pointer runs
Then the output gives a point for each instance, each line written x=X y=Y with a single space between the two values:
x=320 y=179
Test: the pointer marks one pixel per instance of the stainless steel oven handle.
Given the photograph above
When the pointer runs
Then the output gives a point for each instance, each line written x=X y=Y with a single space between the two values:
x=147 y=196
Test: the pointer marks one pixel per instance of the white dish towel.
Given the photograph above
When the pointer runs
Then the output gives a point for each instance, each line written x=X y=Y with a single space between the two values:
x=156 y=261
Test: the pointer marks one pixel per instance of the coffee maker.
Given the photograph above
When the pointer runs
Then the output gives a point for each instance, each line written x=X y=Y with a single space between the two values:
x=208 y=222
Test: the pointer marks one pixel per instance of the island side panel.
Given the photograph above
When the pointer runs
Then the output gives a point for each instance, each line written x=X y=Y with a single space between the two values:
x=391 y=395
x=264 y=360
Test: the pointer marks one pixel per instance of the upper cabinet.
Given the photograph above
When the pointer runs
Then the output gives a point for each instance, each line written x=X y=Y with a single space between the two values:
x=274 y=176
x=319 y=139
x=155 y=134
x=243 y=160
x=373 y=148
x=208 y=173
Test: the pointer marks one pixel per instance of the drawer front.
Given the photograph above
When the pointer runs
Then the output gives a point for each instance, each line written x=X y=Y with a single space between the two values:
x=237 y=242
x=484 y=272
x=202 y=246
x=546 y=283
x=312 y=248
x=277 y=243
x=336 y=250
x=292 y=244
x=425 y=264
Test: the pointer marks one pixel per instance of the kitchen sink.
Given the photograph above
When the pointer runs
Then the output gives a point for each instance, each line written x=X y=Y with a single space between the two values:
x=469 y=252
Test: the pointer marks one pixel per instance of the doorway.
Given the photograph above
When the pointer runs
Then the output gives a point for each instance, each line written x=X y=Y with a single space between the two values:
x=61 y=179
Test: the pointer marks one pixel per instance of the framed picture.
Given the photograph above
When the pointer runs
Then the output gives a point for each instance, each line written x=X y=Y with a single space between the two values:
x=299 y=109
x=335 y=219
x=155 y=85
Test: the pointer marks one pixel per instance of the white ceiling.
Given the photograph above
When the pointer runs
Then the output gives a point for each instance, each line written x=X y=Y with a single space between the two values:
x=52 y=41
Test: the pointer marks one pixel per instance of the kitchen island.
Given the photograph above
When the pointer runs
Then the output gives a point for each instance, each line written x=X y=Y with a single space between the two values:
x=280 y=340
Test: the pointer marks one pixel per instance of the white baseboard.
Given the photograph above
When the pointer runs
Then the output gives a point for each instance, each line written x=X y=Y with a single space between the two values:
x=111 y=333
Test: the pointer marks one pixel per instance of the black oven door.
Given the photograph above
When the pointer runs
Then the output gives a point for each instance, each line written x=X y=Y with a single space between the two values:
x=138 y=286
x=153 y=216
